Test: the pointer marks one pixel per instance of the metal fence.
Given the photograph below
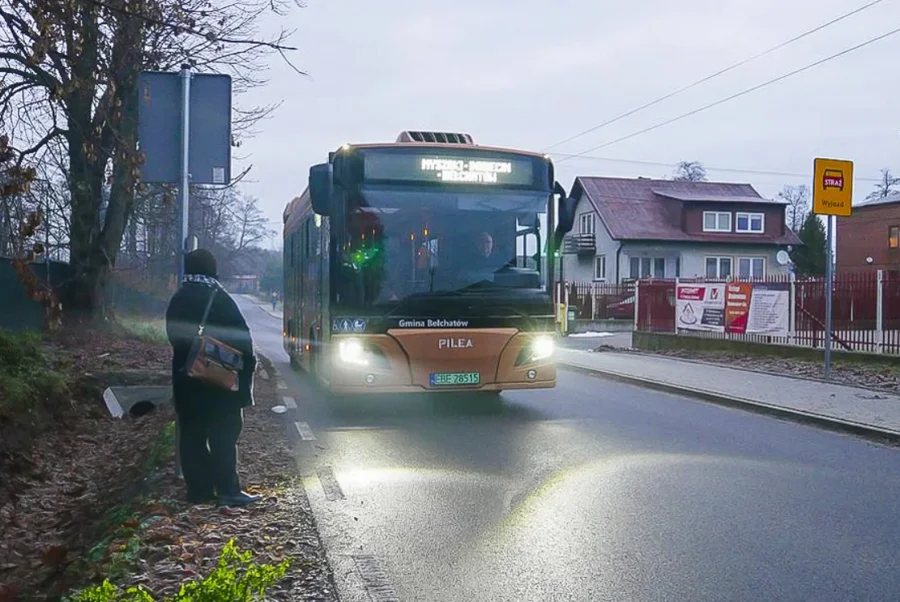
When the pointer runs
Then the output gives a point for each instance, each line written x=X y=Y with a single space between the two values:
x=600 y=301
x=865 y=311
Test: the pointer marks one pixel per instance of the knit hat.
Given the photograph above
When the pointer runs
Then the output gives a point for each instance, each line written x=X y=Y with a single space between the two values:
x=202 y=262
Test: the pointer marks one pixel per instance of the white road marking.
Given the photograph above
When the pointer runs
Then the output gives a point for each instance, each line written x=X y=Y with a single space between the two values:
x=304 y=431
x=282 y=386
x=375 y=578
x=329 y=484
x=289 y=402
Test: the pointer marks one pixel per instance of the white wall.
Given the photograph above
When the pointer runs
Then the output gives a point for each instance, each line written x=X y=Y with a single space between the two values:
x=694 y=261
x=693 y=258
x=581 y=267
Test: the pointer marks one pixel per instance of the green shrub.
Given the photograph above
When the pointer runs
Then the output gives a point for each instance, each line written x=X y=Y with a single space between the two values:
x=236 y=578
x=26 y=375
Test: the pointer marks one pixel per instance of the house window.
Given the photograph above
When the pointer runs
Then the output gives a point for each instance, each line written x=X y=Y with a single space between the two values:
x=678 y=267
x=600 y=267
x=659 y=267
x=750 y=223
x=716 y=221
x=586 y=223
x=894 y=237
x=718 y=267
x=647 y=267
x=752 y=267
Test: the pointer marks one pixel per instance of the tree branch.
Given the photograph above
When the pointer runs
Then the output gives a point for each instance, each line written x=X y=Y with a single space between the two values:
x=190 y=30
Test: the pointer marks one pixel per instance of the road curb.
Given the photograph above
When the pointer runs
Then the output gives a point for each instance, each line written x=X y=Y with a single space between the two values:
x=868 y=432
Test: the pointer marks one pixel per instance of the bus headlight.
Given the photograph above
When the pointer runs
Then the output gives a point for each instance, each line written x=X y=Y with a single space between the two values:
x=542 y=347
x=351 y=351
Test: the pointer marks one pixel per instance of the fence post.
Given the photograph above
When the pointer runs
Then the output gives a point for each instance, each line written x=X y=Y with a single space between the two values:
x=792 y=311
x=879 y=312
x=637 y=287
x=675 y=321
x=593 y=301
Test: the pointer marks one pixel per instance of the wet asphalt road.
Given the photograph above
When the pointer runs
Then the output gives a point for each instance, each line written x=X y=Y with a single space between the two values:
x=592 y=491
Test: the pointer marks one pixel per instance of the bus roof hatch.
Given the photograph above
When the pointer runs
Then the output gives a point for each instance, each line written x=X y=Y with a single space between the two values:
x=435 y=137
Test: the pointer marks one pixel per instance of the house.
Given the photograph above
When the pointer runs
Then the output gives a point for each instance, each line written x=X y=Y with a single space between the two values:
x=870 y=238
x=242 y=284
x=635 y=228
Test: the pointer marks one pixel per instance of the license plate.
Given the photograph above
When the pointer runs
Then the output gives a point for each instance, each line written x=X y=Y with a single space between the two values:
x=455 y=378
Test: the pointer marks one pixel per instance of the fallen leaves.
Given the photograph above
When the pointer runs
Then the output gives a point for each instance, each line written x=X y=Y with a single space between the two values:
x=279 y=526
x=85 y=508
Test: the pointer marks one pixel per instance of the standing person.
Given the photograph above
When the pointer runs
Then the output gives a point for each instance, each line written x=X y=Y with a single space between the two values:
x=274 y=300
x=210 y=419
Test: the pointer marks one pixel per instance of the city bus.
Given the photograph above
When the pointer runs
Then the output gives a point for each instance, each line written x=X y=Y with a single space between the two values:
x=424 y=265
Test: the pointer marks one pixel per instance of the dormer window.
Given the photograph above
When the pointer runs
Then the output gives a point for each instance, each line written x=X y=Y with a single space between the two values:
x=716 y=221
x=586 y=223
x=750 y=223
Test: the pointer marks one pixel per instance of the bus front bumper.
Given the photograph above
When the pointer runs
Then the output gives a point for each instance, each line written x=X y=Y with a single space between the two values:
x=414 y=361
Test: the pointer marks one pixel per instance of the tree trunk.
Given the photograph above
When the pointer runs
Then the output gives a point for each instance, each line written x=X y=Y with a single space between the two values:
x=85 y=187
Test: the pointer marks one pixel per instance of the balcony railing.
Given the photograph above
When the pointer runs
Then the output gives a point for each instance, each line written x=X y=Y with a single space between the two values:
x=580 y=243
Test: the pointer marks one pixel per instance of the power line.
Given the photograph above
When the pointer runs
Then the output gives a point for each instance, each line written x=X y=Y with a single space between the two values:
x=714 y=75
x=756 y=172
x=736 y=95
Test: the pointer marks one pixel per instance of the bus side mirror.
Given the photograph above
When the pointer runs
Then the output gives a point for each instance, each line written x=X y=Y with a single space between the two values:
x=321 y=187
x=565 y=215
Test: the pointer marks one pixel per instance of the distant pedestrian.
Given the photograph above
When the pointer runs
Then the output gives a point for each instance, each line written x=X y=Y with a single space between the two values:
x=274 y=300
x=210 y=415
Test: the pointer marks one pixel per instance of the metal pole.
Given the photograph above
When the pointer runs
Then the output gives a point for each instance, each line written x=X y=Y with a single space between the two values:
x=829 y=286
x=185 y=172
x=183 y=227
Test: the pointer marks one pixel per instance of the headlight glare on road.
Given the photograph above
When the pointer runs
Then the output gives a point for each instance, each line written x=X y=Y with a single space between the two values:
x=542 y=347
x=351 y=351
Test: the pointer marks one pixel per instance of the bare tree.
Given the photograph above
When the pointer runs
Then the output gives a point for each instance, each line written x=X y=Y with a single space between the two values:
x=798 y=205
x=68 y=76
x=690 y=171
x=885 y=187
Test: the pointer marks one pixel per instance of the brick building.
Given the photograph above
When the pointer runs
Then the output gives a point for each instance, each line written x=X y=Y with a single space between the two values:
x=870 y=238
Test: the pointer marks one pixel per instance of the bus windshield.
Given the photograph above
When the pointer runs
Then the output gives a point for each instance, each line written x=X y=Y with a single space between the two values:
x=396 y=246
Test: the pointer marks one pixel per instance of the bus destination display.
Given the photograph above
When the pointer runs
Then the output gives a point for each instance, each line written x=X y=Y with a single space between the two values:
x=481 y=170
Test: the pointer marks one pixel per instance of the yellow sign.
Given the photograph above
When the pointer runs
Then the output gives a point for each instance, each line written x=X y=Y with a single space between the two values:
x=833 y=187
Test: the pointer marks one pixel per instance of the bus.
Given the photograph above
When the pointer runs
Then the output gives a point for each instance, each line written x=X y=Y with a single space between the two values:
x=424 y=265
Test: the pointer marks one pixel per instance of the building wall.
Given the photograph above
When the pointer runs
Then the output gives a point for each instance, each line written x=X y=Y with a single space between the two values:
x=692 y=259
x=865 y=234
x=580 y=267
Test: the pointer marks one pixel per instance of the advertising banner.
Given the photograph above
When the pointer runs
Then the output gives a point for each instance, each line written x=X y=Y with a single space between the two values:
x=757 y=309
x=700 y=307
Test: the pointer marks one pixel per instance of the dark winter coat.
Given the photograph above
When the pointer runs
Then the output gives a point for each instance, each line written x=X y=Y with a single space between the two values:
x=225 y=323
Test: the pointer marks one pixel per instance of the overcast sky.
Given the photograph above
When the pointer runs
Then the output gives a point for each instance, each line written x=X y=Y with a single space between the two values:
x=528 y=74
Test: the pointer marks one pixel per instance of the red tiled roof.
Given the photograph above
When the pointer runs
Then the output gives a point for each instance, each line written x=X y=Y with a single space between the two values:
x=645 y=209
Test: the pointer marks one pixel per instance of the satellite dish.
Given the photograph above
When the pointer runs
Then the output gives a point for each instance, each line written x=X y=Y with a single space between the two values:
x=782 y=257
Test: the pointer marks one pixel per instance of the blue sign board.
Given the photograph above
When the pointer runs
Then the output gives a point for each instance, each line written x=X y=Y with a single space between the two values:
x=159 y=128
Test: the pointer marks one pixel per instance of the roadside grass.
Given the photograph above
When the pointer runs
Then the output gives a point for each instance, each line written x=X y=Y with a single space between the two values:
x=28 y=378
x=149 y=330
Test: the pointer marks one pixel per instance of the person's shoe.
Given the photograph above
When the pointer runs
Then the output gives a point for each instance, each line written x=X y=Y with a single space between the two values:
x=238 y=499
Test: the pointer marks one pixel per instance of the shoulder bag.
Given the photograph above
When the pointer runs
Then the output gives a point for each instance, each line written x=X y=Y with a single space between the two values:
x=211 y=361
